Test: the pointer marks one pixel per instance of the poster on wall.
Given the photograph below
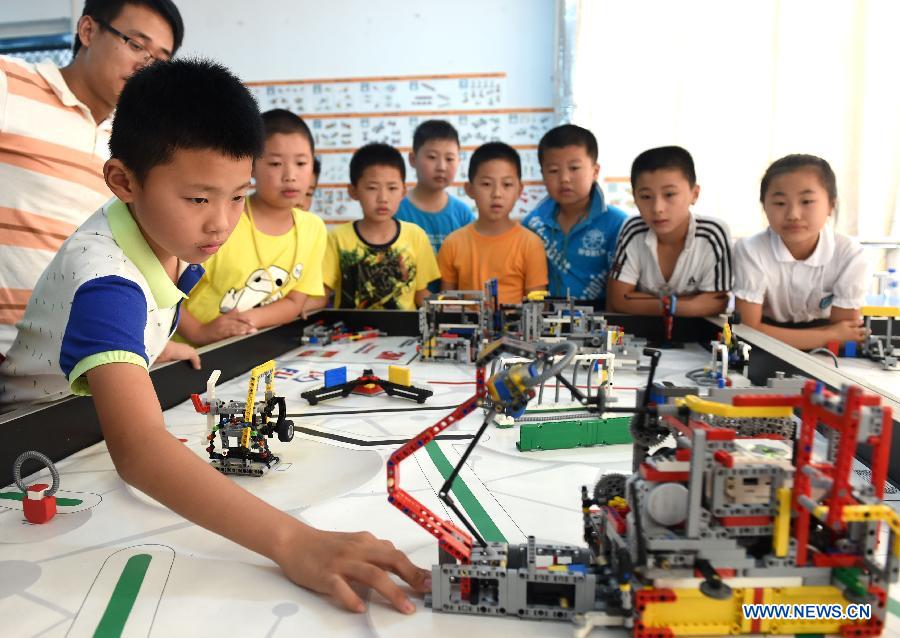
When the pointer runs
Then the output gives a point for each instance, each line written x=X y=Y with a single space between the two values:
x=346 y=113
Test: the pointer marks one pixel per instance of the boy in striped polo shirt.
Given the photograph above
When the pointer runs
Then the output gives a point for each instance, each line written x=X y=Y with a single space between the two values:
x=54 y=134
x=669 y=261
x=182 y=144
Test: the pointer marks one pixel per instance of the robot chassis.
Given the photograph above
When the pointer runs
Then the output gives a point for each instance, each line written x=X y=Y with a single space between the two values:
x=736 y=512
x=455 y=325
x=250 y=423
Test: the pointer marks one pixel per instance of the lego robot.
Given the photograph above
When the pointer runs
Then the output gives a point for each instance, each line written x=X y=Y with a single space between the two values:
x=248 y=423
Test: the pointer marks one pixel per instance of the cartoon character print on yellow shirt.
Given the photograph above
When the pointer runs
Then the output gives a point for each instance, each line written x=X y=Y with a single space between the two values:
x=255 y=269
x=263 y=286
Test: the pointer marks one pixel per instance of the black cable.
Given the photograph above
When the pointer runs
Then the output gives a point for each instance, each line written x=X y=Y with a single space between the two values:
x=828 y=352
x=343 y=413
x=376 y=442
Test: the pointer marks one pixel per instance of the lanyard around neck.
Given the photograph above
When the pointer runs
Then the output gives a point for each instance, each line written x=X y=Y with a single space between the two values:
x=249 y=211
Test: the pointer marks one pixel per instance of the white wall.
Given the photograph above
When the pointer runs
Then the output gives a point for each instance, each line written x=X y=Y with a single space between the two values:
x=306 y=39
x=26 y=10
x=35 y=17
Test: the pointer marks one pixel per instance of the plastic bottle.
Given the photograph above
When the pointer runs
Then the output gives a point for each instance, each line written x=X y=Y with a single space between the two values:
x=892 y=288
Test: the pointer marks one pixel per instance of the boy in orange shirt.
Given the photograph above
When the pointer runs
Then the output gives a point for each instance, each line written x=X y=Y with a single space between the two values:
x=494 y=246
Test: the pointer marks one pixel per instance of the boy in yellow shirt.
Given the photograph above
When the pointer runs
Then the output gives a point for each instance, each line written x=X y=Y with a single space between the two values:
x=263 y=274
x=378 y=262
x=494 y=246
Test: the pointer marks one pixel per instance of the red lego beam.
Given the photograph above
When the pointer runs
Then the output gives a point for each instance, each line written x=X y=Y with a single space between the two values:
x=451 y=538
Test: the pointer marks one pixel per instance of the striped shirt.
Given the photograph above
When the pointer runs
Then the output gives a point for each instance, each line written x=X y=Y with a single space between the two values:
x=51 y=177
x=104 y=298
x=704 y=264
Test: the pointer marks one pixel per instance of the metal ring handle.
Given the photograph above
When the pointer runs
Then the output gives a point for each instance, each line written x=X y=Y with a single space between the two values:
x=37 y=456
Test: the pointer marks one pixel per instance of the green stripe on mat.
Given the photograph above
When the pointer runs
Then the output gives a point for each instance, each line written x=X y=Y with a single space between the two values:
x=467 y=500
x=122 y=601
x=18 y=496
x=893 y=607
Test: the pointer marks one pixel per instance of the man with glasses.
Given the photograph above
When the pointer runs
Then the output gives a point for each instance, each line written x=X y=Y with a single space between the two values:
x=54 y=131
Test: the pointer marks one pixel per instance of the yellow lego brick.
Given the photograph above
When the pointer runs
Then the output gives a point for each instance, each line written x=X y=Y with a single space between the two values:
x=400 y=375
x=821 y=595
x=245 y=437
x=781 y=534
x=537 y=295
x=268 y=369
x=557 y=568
x=695 y=614
x=880 y=311
x=696 y=404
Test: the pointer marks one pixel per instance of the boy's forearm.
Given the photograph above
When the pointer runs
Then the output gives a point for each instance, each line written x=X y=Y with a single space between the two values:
x=704 y=304
x=315 y=303
x=189 y=486
x=153 y=461
x=635 y=303
x=278 y=312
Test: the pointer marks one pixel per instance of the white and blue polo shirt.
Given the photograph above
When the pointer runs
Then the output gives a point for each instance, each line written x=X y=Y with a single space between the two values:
x=836 y=274
x=104 y=298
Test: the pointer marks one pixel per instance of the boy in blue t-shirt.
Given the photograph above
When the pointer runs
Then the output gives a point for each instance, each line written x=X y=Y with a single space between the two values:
x=435 y=156
x=578 y=228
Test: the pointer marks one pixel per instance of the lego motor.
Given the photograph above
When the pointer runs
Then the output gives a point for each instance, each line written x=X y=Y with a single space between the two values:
x=511 y=389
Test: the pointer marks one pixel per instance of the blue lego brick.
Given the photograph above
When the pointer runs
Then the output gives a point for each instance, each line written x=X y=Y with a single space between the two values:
x=850 y=349
x=336 y=376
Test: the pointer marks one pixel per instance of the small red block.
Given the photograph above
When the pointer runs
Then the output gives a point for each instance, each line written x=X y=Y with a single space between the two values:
x=38 y=508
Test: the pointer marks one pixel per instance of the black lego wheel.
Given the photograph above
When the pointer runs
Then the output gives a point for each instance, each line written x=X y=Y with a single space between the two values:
x=608 y=487
x=286 y=431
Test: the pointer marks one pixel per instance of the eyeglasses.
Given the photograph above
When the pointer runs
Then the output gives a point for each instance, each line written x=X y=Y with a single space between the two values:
x=136 y=47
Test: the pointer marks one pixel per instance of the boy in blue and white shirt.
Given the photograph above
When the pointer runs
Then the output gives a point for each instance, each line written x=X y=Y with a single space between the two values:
x=578 y=228
x=107 y=265
x=182 y=146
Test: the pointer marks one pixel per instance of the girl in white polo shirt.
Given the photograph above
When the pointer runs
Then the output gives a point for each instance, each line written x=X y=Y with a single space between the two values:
x=799 y=270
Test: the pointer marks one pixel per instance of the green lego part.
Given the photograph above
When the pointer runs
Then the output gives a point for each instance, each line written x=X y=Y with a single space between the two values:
x=849 y=577
x=564 y=435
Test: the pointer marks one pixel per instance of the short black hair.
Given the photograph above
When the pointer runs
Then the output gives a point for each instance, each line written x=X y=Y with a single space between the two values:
x=108 y=10
x=494 y=151
x=568 y=135
x=797 y=162
x=664 y=157
x=317 y=167
x=283 y=121
x=180 y=105
x=434 y=130
x=375 y=154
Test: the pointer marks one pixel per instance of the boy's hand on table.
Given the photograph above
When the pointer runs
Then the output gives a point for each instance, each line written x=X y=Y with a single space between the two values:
x=230 y=324
x=328 y=562
x=175 y=351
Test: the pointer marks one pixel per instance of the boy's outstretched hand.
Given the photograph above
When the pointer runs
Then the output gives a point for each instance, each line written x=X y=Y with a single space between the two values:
x=328 y=562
